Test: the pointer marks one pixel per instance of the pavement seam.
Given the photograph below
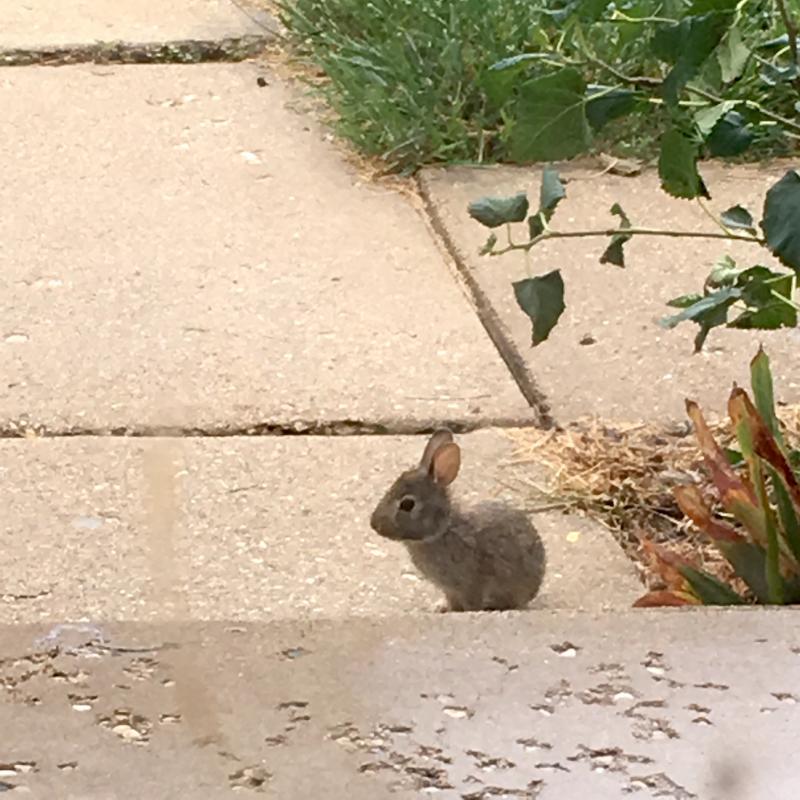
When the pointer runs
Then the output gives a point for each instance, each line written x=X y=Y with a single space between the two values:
x=310 y=428
x=486 y=313
x=178 y=51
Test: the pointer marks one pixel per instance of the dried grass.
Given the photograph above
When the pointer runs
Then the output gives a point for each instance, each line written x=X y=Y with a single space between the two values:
x=622 y=476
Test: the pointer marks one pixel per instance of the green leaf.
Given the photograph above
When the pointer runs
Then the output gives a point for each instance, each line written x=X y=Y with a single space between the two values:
x=775 y=586
x=732 y=55
x=703 y=6
x=707 y=118
x=685 y=300
x=764 y=395
x=614 y=253
x=735 y=458
x=731 y=136
x=774 y=76
x=781 y=223
x=677 y=167
x=495 y=211
x=778 y=43
x=604 y=104
x=687 y=44
x=700 y=310
x=588 y=10
x=709 y=312
x=501 y=78
x=535 y=225
x=551 y=193
x=550 y=118
x=738 y=218
x=749 y=562
x=542 y=299
x=591 y=10
x=710 y=590
x=768 y=317
x=787 y=514
x=724 y=273
x=488 y=246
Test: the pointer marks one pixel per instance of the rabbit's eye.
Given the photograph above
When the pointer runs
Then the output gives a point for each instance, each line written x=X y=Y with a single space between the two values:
x=407 y=504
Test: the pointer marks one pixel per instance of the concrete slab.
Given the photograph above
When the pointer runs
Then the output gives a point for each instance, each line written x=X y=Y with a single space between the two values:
x=182 y=248
x=48 y=23
x=634 y=370
x=264 y=528
x=652 y=704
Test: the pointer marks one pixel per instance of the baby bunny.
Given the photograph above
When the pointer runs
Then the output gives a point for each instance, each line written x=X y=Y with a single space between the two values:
x=486 y=557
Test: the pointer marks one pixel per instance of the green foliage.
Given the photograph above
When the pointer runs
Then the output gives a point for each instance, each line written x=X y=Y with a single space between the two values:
x=542 y=299
x=614 y=253
x=551 y=119
x=744 y=297
x=763 y=296
x=762 y=500
x=677 y=167
x=782 y=219
x=421 y=81
x=496 y=211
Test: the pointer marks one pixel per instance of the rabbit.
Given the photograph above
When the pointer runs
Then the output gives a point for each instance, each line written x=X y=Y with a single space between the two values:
x=488 y=557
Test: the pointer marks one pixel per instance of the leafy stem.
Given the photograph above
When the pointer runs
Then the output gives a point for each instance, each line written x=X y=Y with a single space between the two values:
x=791 y=28
x=642 y=80
x=553 y=234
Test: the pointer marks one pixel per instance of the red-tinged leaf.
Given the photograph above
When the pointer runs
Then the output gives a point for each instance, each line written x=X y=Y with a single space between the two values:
x=692 y=504
x=667 y=564
x=743 y=411
x=722 y=473
x=666 y=598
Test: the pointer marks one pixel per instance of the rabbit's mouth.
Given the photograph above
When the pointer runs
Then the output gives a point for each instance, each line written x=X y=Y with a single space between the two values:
x=382 y=528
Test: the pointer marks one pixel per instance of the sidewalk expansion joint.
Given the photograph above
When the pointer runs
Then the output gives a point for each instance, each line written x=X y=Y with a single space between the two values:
x=181 y=51
x=489 y=318
x=311 y=428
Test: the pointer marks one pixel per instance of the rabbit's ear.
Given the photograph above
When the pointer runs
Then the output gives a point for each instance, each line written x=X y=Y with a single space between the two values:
x=440 y=437
x=446 y=461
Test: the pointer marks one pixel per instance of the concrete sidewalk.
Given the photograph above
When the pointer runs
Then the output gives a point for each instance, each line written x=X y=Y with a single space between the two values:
x=265 y=528
x=76 y=24
x=185 y=252
x=651 y=704
x=184 y=249
x=608 y=356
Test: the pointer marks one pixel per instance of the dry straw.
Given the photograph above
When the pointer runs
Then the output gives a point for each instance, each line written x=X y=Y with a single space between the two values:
x=622 y=476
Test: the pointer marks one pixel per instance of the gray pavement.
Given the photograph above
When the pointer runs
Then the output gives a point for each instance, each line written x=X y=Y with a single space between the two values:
x=649 y=705
x=632 y=369
x=264 y=528
x=187 y=250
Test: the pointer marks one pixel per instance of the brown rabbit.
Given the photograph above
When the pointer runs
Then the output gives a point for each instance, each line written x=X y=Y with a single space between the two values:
x=487 y=557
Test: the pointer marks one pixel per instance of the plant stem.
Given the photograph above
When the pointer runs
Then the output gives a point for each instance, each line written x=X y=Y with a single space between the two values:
x=710 y=214
x=779 y=296
x=750 y=104
x=619 y=16
x=642 y=80
x=551 y=234
x=791 y=28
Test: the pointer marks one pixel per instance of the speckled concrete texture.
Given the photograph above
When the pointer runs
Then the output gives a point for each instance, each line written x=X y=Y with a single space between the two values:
x=697 y=705
x=633 y=369
x=264 y=528
x=181 y=247
x=42 y=23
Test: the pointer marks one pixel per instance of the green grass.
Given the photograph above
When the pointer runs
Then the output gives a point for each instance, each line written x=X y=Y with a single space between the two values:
x=408 y=78
x=405 y=74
